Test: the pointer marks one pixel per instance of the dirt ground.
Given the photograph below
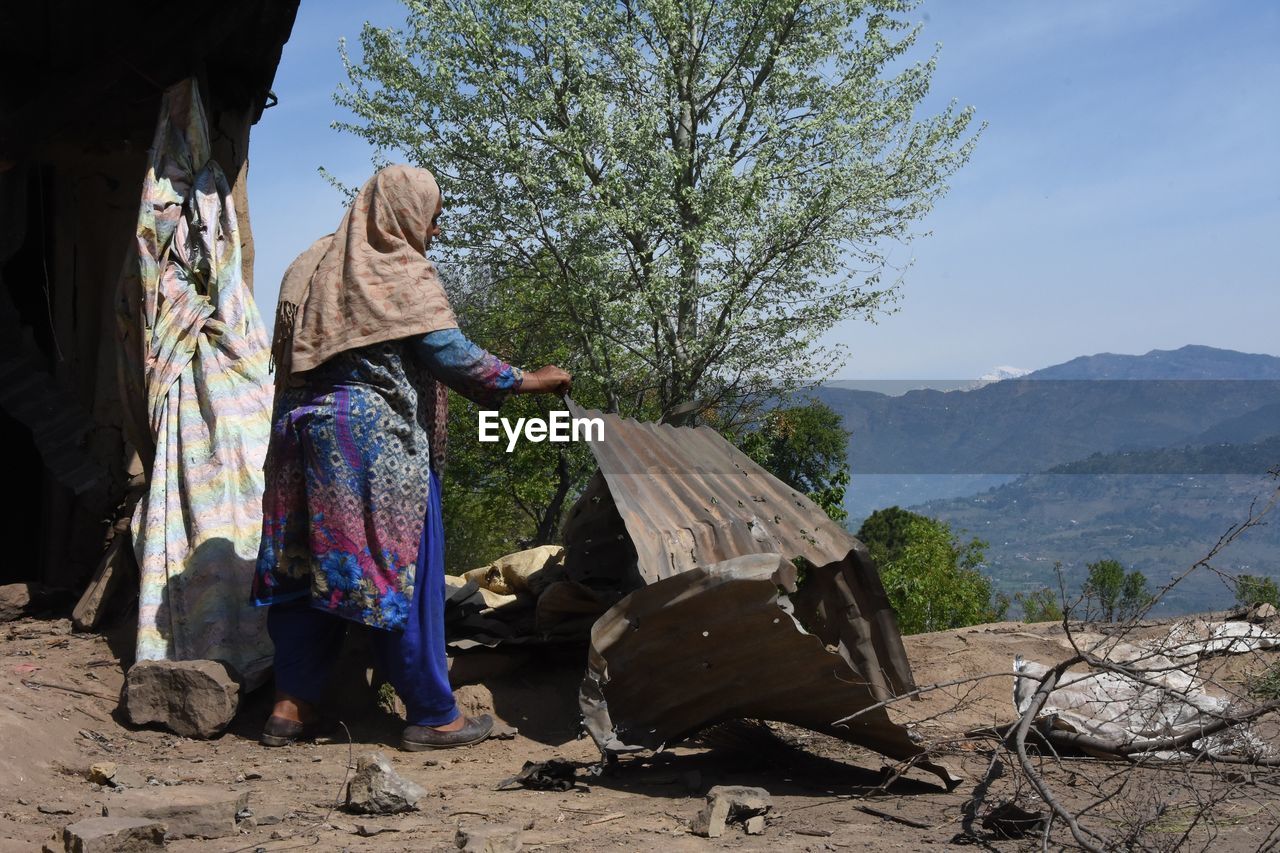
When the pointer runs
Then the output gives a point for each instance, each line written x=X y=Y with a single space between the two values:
x=58 y=716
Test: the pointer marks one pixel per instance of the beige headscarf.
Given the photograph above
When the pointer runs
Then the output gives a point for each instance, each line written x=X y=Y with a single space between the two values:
x=367 y=282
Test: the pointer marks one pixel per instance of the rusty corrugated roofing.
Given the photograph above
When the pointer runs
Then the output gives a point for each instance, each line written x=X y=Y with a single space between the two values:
x=689 y=498
x=682 y=520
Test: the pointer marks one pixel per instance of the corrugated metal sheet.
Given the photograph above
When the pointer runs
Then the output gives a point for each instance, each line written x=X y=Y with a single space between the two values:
x=689 y=498
x=713 y=626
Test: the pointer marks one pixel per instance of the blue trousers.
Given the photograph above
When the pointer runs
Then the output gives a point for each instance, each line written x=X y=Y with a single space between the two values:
x=308 y=640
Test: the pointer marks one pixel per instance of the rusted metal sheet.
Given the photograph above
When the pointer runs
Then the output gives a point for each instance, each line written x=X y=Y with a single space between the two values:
x=689 y=498
x=714 y=624
x=723 y=642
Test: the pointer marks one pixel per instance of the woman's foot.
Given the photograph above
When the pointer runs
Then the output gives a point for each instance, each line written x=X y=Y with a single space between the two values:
x=291 y=720
x=463 y=731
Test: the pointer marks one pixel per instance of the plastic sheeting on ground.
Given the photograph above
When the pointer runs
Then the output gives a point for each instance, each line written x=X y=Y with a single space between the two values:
x=1163 y=696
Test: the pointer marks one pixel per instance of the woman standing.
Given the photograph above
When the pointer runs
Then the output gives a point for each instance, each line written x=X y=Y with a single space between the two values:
x=364 y=338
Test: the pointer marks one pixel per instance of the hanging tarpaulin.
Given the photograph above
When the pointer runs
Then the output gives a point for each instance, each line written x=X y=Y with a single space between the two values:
x=195 y=369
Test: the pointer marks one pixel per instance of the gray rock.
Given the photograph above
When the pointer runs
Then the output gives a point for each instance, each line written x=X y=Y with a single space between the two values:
x=113 y=835
x=115 y=775
x=194 y=698
x=731 y=802
x=755 y=825
x=190 y=811
x=127 y=777
x=48 y=808
x=1262 y=612
x=490 y=838
x=367 y=830
x=376 y=788
x=15 y=598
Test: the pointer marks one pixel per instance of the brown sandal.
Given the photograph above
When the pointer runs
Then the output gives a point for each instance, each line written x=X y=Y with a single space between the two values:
x=281 y=732
x=419 y=738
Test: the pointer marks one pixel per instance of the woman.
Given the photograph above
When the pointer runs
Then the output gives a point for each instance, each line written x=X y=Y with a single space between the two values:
x=351 y=526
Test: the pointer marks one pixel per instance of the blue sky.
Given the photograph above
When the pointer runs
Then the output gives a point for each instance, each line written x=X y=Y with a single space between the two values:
x=1125 y=195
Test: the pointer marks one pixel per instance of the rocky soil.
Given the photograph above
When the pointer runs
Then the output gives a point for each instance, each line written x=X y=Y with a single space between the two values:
x=65 y=757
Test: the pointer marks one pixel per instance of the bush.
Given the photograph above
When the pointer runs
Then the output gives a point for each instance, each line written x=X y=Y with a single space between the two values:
x=1252 y=589
x=931 y=578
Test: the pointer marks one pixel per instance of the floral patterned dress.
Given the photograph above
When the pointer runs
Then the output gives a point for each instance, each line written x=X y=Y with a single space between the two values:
x=348 y=472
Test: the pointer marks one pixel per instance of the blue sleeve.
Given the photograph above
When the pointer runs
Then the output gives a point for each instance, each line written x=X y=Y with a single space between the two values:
x=467 y=368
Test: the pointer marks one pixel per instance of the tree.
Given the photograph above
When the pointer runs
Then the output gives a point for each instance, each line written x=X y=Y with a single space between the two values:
x=806 y=448
x=931 y=579
x=886 y=532
x=706 y=186
x=1114 y=594
x=1040 y=605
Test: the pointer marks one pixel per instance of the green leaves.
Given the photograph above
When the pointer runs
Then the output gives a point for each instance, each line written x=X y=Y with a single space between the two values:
x=931 y=578
x=706 y=187
x=805 y=447
x=1111 y=594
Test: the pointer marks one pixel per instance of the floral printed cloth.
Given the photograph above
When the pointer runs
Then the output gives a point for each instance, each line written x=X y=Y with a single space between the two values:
x=193 y=370
x=348 y=472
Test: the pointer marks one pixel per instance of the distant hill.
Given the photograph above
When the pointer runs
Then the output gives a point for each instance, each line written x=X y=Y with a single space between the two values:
x=1189 y=362
x=1157 y=511
x=1026 y=425
x=1147 y=459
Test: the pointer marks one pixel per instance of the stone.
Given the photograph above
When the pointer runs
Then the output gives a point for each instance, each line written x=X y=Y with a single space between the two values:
x=367 y=830
x=15 y=598
x=502 y=731
x=47 y=808
x=115 y=776
x=710 y=821
x=755 y=825
x=102 y=772
x=195 y=698
x=490 y=838
x=127 y=777
x=376 y=788
x=190 y=811
x=730 y=802
x=1262 y=612
x=113 y=835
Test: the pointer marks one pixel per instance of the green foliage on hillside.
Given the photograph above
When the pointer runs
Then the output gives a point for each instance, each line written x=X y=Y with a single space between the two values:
x=1040 y=605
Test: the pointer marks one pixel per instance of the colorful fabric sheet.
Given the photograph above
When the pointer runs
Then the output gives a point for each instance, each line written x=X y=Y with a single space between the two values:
x=195 y=350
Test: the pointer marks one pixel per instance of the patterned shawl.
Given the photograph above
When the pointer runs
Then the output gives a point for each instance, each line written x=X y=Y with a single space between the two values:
x=366 y=283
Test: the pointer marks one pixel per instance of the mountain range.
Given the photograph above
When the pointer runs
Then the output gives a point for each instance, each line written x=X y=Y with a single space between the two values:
x=1142 y=458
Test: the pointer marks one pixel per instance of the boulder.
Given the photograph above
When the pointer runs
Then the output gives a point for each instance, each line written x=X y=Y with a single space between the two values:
x=15 y=598
x=113 y=835
x=376 y=788
x=193 y=698
x=189 y=811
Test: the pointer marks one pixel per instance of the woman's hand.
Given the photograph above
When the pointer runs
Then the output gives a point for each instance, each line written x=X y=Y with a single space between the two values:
x=546 y=380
